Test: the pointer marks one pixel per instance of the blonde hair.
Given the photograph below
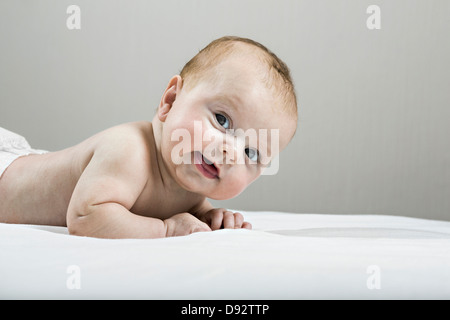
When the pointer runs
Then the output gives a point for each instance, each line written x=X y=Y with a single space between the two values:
x=277 y=77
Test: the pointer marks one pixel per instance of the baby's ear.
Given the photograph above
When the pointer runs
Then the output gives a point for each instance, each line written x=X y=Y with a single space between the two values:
x=169 y=97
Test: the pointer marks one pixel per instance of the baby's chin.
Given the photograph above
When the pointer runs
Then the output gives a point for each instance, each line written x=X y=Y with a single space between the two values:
x=221 y=194
x=211 y=192
x=216 y=194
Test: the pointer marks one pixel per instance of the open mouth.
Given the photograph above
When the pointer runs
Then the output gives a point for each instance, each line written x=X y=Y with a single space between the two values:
x=206 y=167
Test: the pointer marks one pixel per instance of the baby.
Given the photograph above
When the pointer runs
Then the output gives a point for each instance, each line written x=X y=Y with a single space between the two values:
x=134 y=180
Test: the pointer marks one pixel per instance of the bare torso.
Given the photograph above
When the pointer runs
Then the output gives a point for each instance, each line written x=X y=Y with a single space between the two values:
x=37 y=189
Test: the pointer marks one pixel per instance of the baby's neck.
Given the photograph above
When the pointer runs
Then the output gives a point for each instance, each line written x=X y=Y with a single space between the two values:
x=166 y=177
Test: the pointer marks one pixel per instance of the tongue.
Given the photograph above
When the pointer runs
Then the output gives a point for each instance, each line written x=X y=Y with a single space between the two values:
x=209 y=167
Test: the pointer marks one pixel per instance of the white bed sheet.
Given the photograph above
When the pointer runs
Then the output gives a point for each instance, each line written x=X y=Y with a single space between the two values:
x=286 y=256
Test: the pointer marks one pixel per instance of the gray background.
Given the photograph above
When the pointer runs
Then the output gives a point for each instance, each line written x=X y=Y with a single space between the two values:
x=374 y=130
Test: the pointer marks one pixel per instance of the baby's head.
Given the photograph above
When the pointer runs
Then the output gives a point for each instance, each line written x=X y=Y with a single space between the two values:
x=225 y=117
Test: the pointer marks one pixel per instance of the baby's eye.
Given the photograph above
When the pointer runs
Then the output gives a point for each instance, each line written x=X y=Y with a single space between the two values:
x=223 y=121
x=252 y=154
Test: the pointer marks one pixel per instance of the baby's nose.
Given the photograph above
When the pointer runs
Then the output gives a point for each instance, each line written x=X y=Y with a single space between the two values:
x=226 y=148
x=229 y=152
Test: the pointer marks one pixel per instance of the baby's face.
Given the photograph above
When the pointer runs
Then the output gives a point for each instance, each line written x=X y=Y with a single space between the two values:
x=220 y=135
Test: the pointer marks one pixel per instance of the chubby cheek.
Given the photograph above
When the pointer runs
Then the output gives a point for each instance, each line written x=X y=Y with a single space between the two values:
x=180 y=139
x=199 y=134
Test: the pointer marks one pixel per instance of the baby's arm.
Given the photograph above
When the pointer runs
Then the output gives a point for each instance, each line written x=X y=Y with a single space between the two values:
x=108 y=188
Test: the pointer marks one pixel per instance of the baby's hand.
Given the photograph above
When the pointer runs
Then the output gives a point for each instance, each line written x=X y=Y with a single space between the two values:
x=183 y=224
x=222 y=218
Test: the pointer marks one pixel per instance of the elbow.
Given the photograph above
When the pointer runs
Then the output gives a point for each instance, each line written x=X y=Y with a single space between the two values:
x=78 y=222
x=76 y=226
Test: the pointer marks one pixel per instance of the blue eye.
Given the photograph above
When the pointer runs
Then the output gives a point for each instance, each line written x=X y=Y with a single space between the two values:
x=223 y=121
x=252 y=154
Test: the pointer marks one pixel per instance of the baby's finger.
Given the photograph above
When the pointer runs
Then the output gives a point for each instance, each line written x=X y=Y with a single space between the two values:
x=228 y=220
x=216 y=220
x=247 y=225
x=238 y=220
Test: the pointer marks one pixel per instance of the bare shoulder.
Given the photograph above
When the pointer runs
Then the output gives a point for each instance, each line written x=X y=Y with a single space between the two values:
x=127 y=145
x=136 y=132
x=119 y=167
